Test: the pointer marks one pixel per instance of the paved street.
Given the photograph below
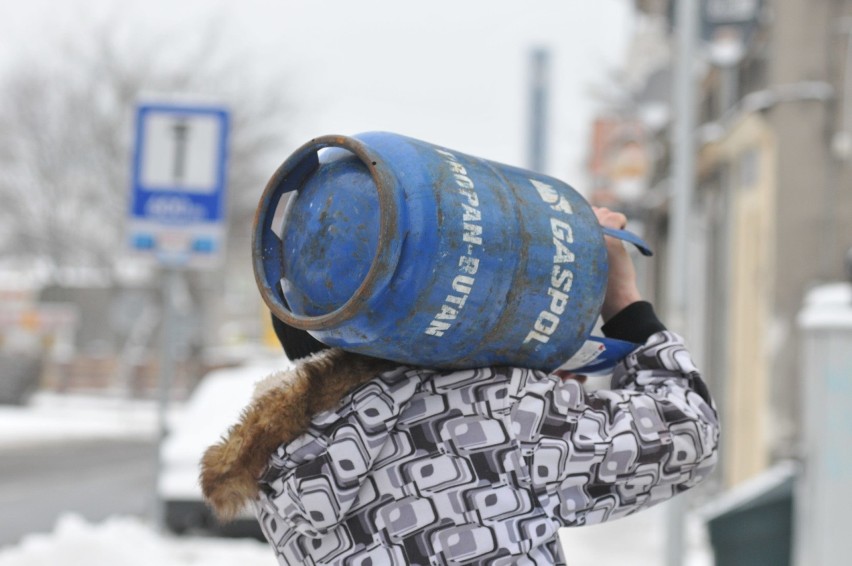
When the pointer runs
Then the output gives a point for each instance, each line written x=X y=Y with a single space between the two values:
x=94 y=479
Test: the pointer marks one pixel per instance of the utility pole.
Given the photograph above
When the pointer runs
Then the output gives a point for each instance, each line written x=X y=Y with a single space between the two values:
x=682 y=188
x=177 y=214
x=539 y=90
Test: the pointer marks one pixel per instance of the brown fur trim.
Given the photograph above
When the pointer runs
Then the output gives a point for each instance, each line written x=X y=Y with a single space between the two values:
x=278 y=415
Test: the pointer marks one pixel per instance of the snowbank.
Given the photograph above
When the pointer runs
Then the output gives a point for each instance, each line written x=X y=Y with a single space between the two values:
x=129 y=542
x=55 y=418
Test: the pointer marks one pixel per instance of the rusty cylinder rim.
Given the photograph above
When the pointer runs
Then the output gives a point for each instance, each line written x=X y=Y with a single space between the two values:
x=389 y=245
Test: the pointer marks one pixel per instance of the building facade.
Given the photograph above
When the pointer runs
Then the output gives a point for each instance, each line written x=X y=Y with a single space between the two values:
x=771 y=213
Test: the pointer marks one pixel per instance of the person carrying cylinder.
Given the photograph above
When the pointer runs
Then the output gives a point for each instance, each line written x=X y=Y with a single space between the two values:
x=350 y=459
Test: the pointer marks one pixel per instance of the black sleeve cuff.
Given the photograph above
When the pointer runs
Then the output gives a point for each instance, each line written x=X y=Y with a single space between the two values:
x=635 y=323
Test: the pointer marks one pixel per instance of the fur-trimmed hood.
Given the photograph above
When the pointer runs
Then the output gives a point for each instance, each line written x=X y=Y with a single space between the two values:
x=279 y=413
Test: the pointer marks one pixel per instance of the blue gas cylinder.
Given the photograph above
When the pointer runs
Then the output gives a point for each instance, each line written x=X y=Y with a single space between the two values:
x=405 y=250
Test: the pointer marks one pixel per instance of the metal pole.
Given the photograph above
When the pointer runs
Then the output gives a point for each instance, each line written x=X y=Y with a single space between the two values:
x=538 y=109
x=170 y=281
x=683 y=180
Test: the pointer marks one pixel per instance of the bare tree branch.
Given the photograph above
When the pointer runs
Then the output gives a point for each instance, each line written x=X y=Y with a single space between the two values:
x=66 y=128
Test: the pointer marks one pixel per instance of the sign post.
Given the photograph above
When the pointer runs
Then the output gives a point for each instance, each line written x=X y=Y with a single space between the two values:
x=177 y=207
x=177 y=212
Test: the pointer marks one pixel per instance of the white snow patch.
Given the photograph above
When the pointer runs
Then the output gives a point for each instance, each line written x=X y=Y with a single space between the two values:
x=637 y=540
x=52 y=417
x=129 y=542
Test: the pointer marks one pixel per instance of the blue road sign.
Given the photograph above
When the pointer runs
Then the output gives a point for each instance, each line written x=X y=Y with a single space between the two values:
x=178 y=179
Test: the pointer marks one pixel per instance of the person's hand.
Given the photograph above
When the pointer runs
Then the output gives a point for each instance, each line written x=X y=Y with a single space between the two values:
x=565 y=375
x=621 y=288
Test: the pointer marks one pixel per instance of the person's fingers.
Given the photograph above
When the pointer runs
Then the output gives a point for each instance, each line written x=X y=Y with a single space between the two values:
x=609 y=218
x=564 y=374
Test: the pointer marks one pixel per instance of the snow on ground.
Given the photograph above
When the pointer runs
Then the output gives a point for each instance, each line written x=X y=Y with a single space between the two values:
x=125 y=541
x=51 y=417
x=130 y=542
x=637 y=540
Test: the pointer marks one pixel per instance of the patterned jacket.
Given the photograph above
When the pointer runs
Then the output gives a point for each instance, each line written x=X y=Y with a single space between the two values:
x=417 y=466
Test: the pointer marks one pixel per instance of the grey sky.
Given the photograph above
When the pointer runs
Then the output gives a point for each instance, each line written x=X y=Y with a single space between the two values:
x=449 y=72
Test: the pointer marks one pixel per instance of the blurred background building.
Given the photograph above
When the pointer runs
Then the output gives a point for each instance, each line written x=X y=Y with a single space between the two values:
x=77 y=311
x=771 y=216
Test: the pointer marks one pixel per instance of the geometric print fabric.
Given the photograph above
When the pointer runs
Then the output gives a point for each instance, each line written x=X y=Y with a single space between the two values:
x=483 y=466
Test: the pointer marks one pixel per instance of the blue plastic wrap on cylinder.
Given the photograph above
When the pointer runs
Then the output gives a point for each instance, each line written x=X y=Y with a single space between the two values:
x=404 y=250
